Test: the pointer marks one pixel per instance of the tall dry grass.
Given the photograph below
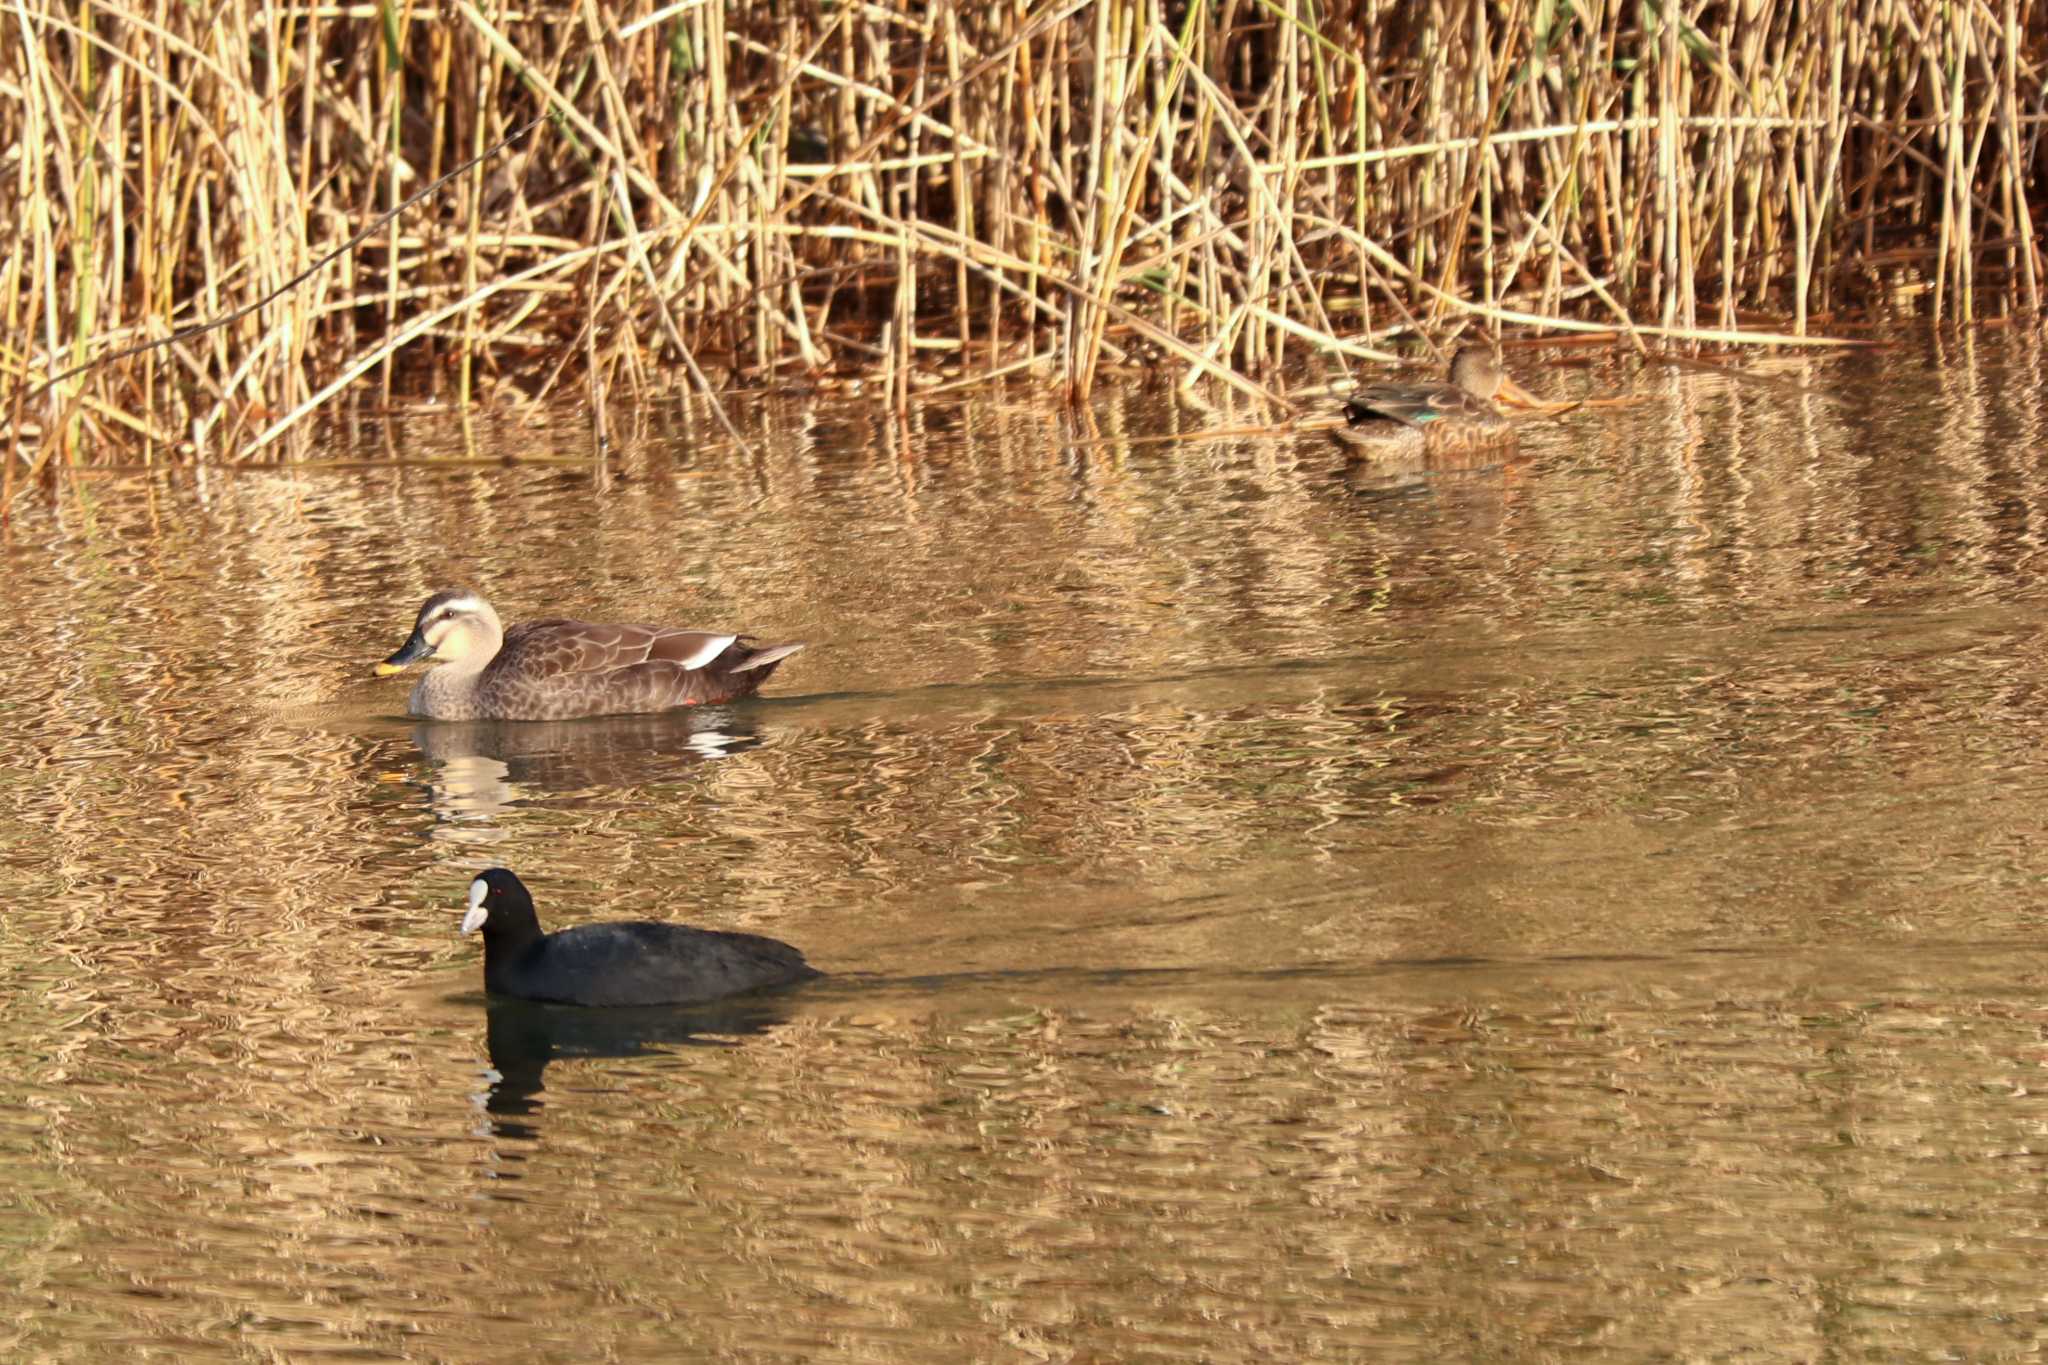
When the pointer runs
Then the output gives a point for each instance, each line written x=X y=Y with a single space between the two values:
x=947 y=192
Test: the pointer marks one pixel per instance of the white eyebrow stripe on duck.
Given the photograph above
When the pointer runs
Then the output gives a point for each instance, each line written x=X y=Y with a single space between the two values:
x=453 y=605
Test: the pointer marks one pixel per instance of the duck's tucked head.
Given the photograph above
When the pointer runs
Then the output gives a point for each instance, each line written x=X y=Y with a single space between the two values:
x=1477 y=370
x=453 y=626
x=499 y=899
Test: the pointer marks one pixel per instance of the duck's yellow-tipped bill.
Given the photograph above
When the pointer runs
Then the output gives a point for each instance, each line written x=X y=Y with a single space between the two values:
x=411 y=652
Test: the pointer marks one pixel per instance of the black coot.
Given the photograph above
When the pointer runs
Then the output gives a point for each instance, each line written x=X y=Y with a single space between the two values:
x=637 y=963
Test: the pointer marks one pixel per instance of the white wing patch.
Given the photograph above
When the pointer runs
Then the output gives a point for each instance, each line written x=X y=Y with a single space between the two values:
x=713 y=647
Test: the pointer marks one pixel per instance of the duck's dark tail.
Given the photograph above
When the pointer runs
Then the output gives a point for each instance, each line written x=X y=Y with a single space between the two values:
x=746 y=665
x=763 y=658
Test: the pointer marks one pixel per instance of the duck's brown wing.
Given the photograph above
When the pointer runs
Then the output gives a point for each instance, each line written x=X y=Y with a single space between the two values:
x=555 y=669
x=1412 y=405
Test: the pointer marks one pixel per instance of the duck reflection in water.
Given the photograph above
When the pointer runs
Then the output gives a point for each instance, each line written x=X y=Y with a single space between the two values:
x=484 y=767
x=1423 y=469
x=524 y=1037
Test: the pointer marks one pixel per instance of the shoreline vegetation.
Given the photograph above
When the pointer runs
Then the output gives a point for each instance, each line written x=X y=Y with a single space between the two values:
x=1250 y=195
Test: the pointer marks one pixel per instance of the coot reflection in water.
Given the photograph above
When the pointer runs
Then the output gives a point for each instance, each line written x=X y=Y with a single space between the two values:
x=524 y=1037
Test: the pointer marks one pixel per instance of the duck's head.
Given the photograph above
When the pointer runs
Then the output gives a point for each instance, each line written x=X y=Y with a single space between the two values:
x=1477 y=370
x=453 y=626
x=501 y=900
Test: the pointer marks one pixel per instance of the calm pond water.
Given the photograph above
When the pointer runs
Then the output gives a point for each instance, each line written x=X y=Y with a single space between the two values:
x=1590 y=908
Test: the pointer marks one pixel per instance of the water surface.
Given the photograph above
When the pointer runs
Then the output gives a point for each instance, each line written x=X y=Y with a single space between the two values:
x=1585 y=906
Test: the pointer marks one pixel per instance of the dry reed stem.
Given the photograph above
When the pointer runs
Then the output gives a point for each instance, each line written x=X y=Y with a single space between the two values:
x=1227 y=190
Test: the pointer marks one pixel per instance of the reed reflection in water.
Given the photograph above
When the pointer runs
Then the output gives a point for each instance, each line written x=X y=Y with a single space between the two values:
x=1587 y=906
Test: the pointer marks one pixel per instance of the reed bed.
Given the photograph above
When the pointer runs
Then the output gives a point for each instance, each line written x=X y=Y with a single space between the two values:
x=1232 y=193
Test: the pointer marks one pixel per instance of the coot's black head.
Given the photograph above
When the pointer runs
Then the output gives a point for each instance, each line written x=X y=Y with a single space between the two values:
x=500 y=906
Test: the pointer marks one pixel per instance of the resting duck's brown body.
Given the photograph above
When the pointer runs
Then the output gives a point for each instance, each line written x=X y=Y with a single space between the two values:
x=560 y=669
x=1407 y=419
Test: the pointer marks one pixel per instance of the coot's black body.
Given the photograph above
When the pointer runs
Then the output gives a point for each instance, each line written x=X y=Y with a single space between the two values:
x=633 y=963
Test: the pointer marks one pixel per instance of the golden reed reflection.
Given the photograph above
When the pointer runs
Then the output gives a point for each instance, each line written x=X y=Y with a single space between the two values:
x=1121 y=778
x=1245 y=1166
